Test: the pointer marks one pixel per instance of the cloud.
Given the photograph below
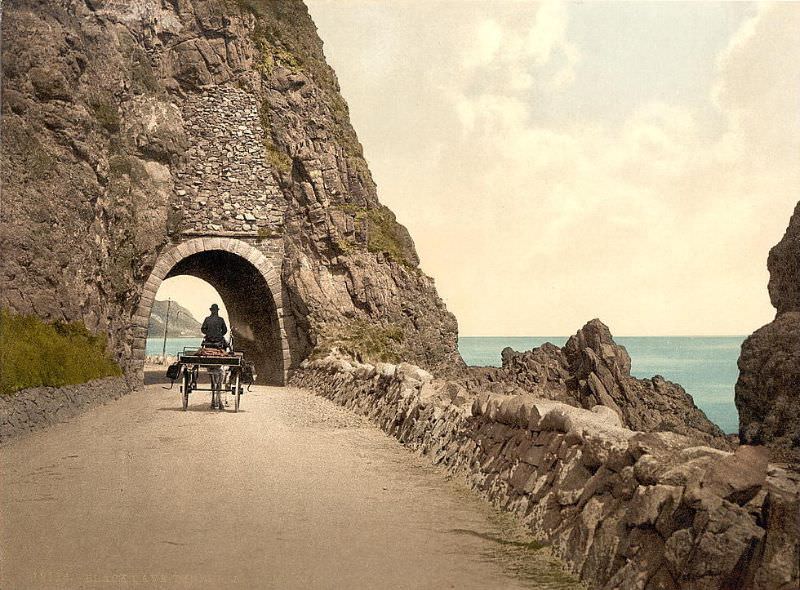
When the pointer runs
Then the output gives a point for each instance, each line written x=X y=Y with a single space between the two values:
x=759 y=86
x=533 y=222
x=519 y=53
x=488 y=41
x=631 y=210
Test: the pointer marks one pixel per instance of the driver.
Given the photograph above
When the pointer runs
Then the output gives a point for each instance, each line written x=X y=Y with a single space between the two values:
x=214 y=330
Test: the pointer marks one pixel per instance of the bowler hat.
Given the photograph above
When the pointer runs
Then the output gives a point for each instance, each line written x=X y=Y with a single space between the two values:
x=214 y=307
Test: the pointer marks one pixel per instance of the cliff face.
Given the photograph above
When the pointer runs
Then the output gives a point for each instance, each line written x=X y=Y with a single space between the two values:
x=128 y=126
x=591 y=369
x=768 y=389
x=181 y=322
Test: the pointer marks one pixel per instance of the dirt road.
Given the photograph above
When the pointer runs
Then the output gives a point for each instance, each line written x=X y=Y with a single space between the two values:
x=292 y=492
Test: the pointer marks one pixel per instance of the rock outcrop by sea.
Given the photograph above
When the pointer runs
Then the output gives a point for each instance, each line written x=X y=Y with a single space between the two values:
x=591 y=369
x=181 y=322
x=768 y=389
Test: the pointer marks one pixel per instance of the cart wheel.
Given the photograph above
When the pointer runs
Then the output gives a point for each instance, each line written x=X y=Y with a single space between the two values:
x=237 y=392
x=185 y=389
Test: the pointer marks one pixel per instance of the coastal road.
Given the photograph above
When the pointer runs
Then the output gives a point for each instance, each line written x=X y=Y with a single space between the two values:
x=291 y=492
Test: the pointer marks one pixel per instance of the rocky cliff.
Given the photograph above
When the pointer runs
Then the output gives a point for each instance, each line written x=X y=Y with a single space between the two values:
x=129 y=126
x=768 y=389
x=181 y=322
x=591 y=369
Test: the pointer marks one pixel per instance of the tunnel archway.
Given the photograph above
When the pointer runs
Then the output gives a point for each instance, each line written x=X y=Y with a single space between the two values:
x=250 y=287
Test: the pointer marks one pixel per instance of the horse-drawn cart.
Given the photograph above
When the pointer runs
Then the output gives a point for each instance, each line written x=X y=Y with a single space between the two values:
x=228 y=371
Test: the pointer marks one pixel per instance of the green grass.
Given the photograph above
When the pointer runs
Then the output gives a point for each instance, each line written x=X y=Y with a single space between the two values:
x=143 y=77
x=34 y=353
x=386 y=235
x=278 y=159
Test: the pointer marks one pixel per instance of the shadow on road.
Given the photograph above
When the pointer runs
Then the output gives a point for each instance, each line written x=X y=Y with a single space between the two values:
x=154 y=374
x=201 y=409
x=532 y=545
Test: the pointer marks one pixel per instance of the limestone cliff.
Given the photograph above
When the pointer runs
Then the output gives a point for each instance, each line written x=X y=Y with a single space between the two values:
x=768 y=389
x=132 y=126
x=591 y=369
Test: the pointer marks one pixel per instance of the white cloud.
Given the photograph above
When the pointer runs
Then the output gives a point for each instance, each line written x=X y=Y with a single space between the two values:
x=759 y=86
x=518 y=52
x=659 y=223
x=634 y=209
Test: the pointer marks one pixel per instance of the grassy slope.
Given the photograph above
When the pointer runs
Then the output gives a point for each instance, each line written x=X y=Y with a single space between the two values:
x=34 y=353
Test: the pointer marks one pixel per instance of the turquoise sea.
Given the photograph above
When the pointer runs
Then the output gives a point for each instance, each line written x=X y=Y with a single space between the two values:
x=174 y=345
x=705 y=367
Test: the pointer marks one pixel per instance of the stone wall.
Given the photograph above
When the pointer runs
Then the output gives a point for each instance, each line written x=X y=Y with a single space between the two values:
x=226 y=183
x=38 y=407
x=624 y=509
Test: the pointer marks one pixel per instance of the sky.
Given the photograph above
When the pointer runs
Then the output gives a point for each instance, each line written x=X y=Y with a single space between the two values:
x=559 y=162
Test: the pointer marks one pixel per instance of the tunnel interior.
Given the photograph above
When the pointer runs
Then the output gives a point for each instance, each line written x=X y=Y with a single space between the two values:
x=251 y=308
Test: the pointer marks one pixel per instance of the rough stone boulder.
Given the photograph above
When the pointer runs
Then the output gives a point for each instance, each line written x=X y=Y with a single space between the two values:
x=543 y=369
x=783 y=264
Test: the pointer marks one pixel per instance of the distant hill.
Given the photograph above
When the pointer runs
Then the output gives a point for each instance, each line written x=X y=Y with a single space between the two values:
x=181 y=321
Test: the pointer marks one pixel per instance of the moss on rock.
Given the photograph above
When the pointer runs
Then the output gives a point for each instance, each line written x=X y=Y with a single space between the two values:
x=363 y=340
x=106 y=114
x=384 y=233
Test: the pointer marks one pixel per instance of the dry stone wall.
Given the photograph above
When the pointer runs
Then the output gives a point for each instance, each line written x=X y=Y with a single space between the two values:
x=624 y=509
x=38 y=407
x=226 y=183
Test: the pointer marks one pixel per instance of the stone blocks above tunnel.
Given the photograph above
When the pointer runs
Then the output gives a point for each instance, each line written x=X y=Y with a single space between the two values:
x=227 y=182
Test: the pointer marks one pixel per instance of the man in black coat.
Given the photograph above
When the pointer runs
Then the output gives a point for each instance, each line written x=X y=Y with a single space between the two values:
x=214 y=329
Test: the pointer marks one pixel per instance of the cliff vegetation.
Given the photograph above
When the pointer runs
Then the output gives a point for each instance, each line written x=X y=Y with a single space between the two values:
x=363 y=340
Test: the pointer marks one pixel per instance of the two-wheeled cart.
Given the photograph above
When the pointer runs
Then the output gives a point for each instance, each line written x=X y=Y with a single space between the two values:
x=191 y=361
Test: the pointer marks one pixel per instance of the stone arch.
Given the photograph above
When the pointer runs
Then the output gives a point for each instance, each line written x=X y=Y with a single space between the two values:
x=186 y=258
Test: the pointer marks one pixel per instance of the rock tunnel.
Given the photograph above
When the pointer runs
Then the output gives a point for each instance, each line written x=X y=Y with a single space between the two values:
x=249 y=286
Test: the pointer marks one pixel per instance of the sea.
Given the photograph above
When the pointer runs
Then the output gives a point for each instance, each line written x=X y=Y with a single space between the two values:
x=173 y=345
x=704 y=366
